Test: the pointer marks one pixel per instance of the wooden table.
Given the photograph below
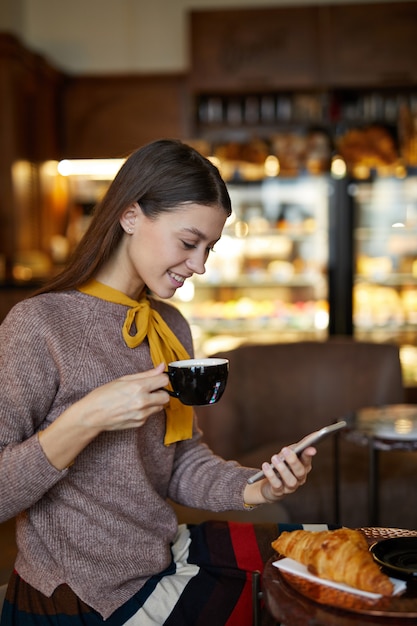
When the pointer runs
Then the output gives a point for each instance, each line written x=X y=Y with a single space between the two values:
x=294 y=601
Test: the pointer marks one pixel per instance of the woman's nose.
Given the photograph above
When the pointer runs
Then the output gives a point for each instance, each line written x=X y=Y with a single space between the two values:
x=197 y=262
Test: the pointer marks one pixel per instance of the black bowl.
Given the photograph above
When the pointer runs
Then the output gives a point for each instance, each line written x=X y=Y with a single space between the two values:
x=397 y=556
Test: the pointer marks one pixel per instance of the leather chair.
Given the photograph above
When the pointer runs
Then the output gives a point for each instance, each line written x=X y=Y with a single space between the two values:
x=276 y=394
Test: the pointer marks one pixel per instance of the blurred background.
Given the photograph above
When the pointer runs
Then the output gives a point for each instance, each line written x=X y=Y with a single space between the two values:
x=308 y=108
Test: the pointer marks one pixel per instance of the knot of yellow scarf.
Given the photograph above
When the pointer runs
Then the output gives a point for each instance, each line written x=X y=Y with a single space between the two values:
x=163 y=344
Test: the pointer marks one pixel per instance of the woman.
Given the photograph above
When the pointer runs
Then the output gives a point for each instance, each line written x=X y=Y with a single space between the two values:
x=89 y=439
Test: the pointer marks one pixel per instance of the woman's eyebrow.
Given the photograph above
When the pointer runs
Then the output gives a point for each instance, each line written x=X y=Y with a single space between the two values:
x=195 y=231
x=198 y=233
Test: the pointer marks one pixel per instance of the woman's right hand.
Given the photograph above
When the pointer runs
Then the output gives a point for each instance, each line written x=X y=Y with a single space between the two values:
x=126 y=402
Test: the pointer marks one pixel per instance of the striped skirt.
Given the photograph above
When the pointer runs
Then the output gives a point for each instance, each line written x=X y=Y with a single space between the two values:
x=209 y=583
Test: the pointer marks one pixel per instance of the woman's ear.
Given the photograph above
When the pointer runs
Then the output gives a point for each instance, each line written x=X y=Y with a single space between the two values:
x=128 y=218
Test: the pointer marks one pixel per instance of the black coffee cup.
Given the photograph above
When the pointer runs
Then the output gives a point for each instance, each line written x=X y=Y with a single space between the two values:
x=198 y=381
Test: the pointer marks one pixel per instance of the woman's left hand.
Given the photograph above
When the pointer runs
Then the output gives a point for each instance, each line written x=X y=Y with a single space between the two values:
x=287 y=474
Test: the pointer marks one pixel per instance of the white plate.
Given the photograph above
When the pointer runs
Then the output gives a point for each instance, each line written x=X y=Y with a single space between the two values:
x=294 y=567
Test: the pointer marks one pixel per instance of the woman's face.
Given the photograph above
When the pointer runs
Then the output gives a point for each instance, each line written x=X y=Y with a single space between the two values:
x=163 y=252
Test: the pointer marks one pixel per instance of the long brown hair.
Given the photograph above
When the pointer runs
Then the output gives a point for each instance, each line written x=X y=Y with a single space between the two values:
x=159 y=176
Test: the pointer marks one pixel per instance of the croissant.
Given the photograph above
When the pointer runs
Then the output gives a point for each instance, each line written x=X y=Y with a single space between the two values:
x=340 y=555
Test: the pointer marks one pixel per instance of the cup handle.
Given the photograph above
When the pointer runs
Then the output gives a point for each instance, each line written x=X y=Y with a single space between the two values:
x=171 y=393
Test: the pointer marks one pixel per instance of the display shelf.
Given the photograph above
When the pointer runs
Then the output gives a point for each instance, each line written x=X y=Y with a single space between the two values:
x=382 y=233
x=218 y=327
x=404 y=334
x=393 y=280
x=248 y=282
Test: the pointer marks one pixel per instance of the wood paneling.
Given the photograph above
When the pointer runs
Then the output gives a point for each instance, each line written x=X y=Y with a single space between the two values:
x=331 y=46
x=369 y=45
x=29 y=103
x=256 y=49
x=112 y=116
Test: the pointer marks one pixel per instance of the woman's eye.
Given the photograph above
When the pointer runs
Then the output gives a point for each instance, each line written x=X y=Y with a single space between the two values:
x=188 y=246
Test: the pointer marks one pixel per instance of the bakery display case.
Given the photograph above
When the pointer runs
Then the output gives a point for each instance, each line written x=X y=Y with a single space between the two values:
x=385 y=264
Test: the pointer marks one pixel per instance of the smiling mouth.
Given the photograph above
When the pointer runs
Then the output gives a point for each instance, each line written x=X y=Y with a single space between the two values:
x=177 y=277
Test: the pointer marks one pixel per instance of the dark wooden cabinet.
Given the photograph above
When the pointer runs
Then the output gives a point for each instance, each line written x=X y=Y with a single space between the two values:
x=29 y=103
x=29 y=113
x=113 y=115
x=46 y=130
x=254 y=49
x=326 y=46
x=369 y=45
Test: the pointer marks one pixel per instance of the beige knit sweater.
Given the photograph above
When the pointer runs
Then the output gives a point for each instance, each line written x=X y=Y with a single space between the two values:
x=104 y=525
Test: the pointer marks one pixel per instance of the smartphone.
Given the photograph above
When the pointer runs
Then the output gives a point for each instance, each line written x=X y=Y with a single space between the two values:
x=310 y=440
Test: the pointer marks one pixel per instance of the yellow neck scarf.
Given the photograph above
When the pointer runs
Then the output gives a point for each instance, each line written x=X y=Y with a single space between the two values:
x=164 y=348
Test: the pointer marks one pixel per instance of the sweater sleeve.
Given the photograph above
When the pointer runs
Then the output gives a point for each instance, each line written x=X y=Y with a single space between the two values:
x=28 y=380
x=202 y=479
